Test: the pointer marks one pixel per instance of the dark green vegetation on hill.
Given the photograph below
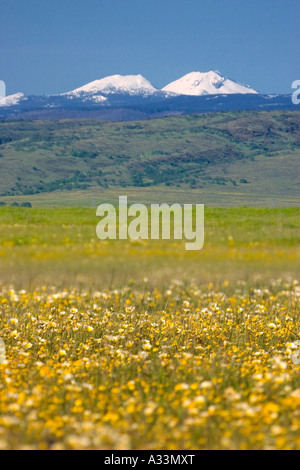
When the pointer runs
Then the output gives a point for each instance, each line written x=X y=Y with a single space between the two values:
x=234 y=153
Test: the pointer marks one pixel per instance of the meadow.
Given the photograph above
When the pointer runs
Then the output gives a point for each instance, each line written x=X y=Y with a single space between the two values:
x=143 y=345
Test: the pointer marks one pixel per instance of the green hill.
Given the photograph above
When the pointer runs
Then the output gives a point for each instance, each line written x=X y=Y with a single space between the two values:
x=243 y=156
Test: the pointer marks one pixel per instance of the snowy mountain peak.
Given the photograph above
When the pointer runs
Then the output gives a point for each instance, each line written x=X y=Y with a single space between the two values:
x=12 y=100
x=115 y=84
x=210 y=83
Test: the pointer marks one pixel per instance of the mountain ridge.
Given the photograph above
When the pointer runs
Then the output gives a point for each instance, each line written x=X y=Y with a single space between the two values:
x=133 y=97
x=139 y=85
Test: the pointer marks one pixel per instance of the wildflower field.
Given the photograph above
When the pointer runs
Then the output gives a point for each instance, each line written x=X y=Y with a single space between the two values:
x=142 y=345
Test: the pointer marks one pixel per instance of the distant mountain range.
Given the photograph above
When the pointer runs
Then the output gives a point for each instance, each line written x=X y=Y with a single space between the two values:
x=133 y=97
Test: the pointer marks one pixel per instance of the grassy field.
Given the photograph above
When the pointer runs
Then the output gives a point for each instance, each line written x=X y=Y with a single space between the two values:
x=217 y=197
x=143 y=345
x=61 y=245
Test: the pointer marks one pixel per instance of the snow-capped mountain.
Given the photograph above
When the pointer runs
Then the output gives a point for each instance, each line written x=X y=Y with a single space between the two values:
x=117 y=88
x=133 y=97
x=116 y=84
x=12 y=100
x=210 y=83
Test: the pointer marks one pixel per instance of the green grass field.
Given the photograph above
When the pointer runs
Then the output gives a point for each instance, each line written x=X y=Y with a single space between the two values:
x=61 y=246
x=125 y=345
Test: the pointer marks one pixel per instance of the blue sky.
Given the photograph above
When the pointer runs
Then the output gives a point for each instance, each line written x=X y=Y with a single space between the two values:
x=53 y=46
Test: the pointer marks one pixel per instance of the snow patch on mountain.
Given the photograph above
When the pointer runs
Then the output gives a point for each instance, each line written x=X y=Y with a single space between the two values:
x=12 y=100
x=85 y=97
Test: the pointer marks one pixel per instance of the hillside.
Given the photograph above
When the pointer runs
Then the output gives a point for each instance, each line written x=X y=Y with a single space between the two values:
x=254 y=153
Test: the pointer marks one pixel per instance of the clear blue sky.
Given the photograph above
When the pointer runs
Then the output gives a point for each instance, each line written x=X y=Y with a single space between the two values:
x=53 y=46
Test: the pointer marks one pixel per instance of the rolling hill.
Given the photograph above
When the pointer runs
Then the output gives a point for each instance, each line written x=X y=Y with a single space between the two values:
x=245 y=156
